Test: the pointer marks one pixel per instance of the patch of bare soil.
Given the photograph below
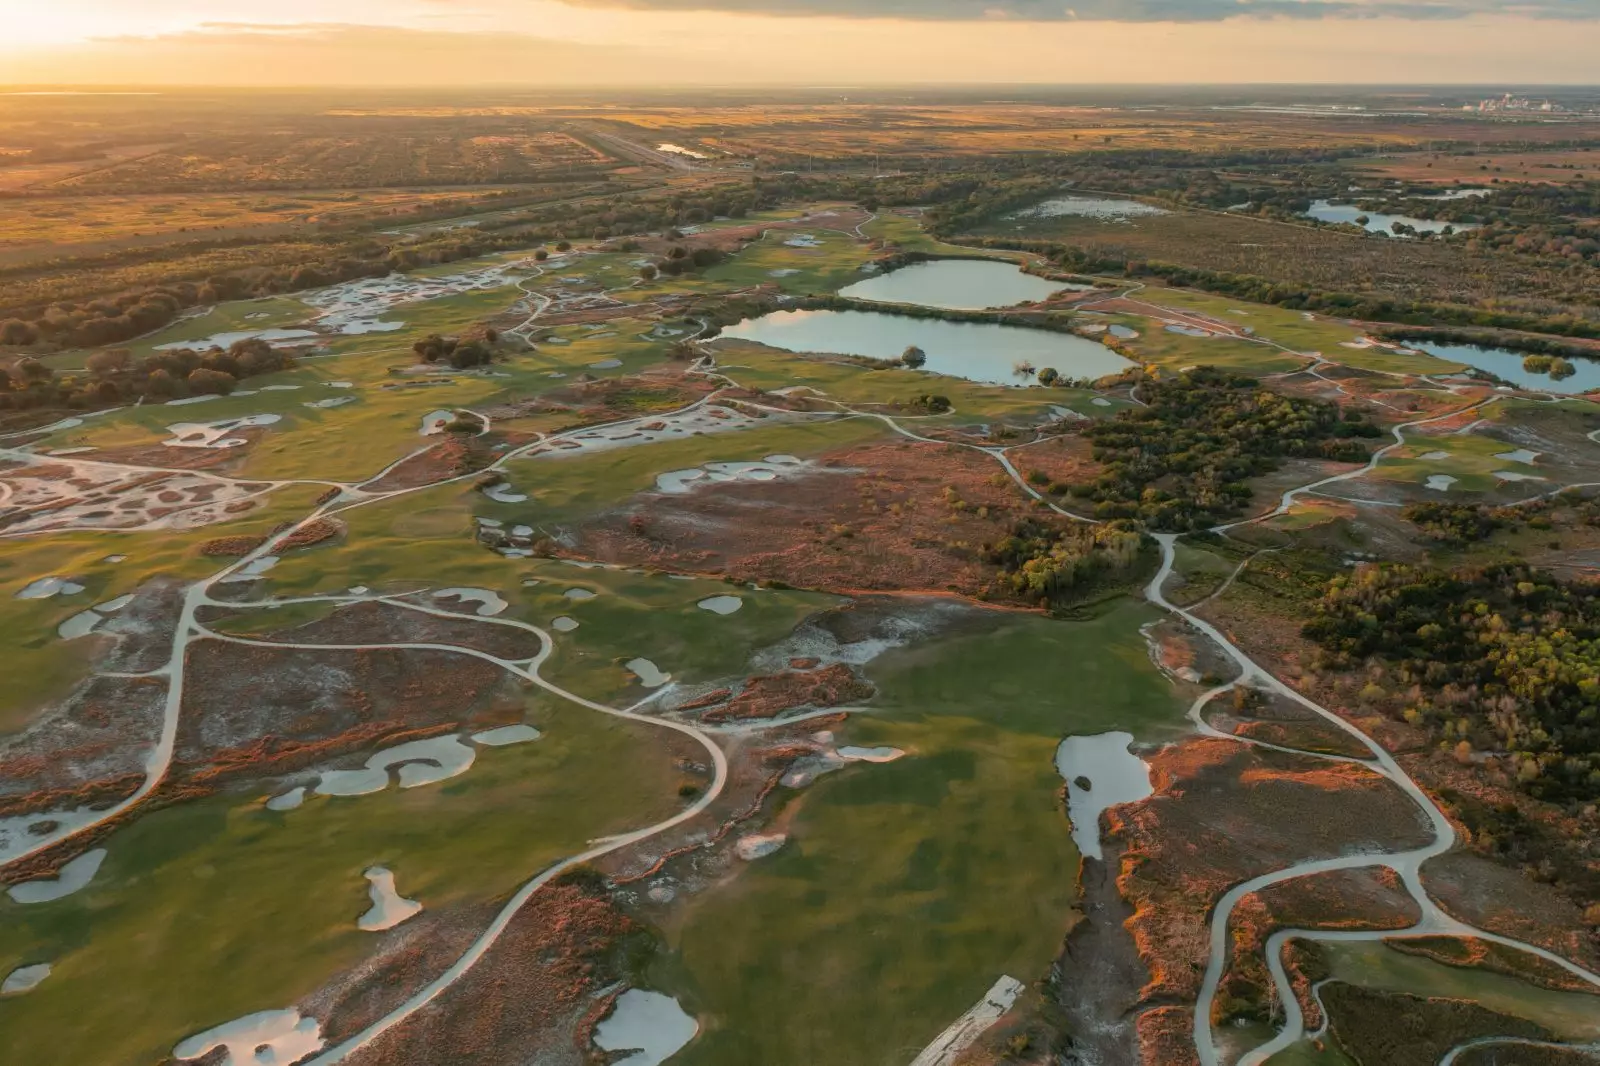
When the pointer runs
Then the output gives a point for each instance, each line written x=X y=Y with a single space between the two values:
x=874 y=517
x=1224 y=813
x=1099 y=975
x=535 y=997
x=89 y=749
x=258 y=710
x=1370 y=899
x=1504 y=901
x=382 y=623
x=451 y=457
x=770 y=695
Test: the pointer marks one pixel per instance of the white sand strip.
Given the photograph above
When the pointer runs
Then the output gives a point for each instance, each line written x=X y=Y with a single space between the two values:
x=506 y=734
x=24 y=979
x=389 y=907
x=262 y=1039
x=971 y=1025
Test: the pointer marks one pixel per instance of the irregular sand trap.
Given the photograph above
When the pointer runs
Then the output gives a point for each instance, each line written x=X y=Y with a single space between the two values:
x=215 y=434
x=421 y=762
x=332 y=401
x=1100 y=401
x=949 y=1045
x=73 y=876
x=389 y=908
x=340 y=384
x=288 y=801
x=79 y=625
x=578 y=595
x=680 y=482
x=1126 y=333
x=503 y=493
x=116 y=559
x=20 y=832
x=803 y=240
x=650 y=1024
x=281 y=388
x=266 y=1038
x=112 y=606
x=564 y=624
x=721 y=604
x=1440 y=482
x=434 y=423
x=489 y=603
x=1188 y=331
x=1521 y=455
x=649 y=675
x=1434 y=457
x=506 y=734
x=1512 y=475
x=649 y=429
x=605 y=364
x=46 y=587
x=1115 y=775
x=784 y=273
x=756 y=846
x=855 y=754
x=24 y=979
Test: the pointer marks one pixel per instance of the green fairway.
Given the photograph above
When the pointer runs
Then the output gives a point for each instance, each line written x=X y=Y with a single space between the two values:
x=906 y=889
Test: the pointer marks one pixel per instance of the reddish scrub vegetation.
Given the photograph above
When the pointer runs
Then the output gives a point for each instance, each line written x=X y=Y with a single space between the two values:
x=771 y=695
x=311 y=533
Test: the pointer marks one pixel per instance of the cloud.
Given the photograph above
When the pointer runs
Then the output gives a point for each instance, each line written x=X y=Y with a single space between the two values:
x=1125 y=10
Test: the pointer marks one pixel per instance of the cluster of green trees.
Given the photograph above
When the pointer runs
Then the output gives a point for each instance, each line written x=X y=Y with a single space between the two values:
x=114 y=377
x=459 y=353
x=1456 y=524
x=1503 y=658
x=1182 y=462
x=1053 y=563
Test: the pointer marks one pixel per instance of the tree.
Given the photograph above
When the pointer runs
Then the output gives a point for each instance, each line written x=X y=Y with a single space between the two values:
x=1048 y=376
x=204 y=382
x=109 y=363
x=563 y=246
x=17 y=332
x=470 y=354
x=648 y=272
x=541 y=255
x=913 y=357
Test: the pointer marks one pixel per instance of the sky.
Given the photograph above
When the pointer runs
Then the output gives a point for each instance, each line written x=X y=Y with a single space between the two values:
x=803 y=42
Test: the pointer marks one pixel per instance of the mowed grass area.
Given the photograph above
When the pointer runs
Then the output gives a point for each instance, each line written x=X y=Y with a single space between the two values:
x=1468 y=458
x=216 y=909
x=1570 y=1015
x=43 y=667
x=906 y=889
x=834 y=262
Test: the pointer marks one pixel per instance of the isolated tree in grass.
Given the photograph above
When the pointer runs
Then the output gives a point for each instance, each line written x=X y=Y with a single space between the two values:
x=470 y=354
x=1048 y=376
x=541 y=255
x=913 y=357
x=205 y=382
x=648 y=272
x=563 y=246
x=109 y=363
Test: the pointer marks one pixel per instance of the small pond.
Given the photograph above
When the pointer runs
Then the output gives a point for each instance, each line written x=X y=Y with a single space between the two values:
x=977 y=351
x=1377 y=222
x=1506 y=364
x=1089 y=207
x=958 y=285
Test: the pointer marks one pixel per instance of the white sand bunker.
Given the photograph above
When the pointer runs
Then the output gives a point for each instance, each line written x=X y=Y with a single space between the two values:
x=578 y=595
x=266 y=1038
x=1434 y=457
x=1521 y=455
x=275 y=337
x=46 y=587
x=1440 y=482
x=389 y=908
x=961 y=1034
x=1513 y=475
x=20 y=832
x=803 y=240
x=420 y=762
x=721 y=604
x=680 y=482
x=758 y=846
x=489 y=603
x=649 y=675
x=850 y=753
x=506 y=735
x=564 y=624
x=434 y=422
x=1112 y=774
x=24 y=979
x=288 y=801
x=783 y=273
x=500 y=492
x=102 y=496
x=1100 y=401
x=649 y=1024
x=332 y=401
x=605 y=364
x=73 y=876
x=215 y=434
x=711 y=418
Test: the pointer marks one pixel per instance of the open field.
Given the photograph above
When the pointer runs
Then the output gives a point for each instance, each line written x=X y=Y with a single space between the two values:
x=1554 y=167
